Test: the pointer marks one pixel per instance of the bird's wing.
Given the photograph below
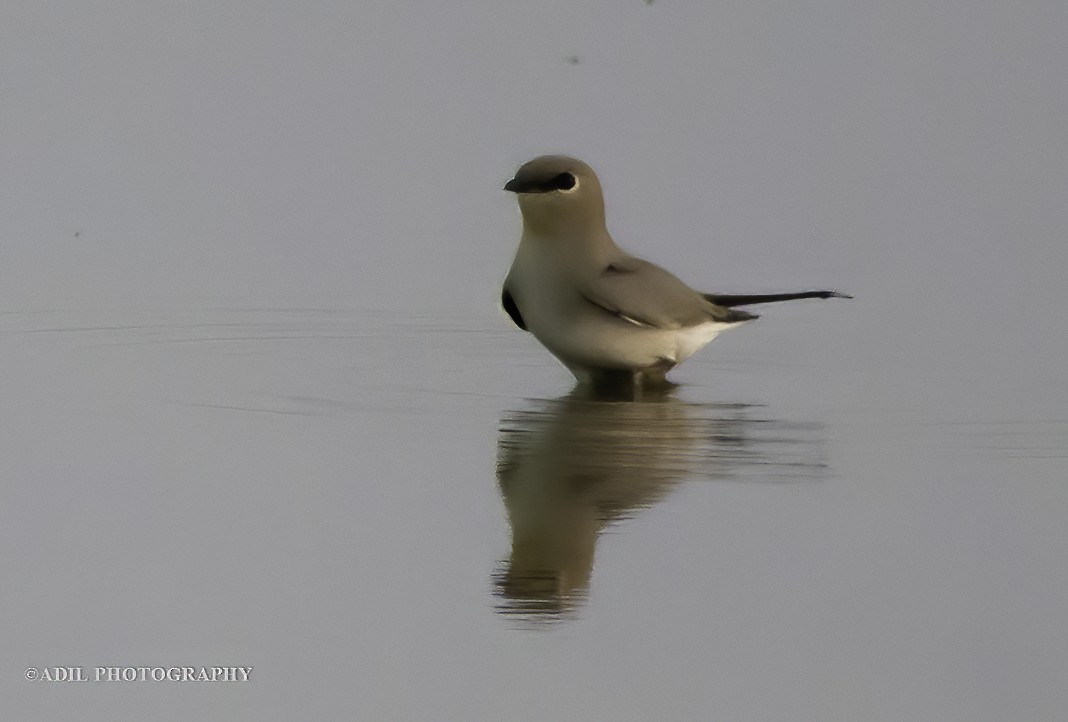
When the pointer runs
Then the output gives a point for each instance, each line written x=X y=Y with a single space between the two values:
x=511 y=308
x=646 y=295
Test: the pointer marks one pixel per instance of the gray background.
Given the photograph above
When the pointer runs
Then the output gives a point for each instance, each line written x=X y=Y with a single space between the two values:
x=253 y=368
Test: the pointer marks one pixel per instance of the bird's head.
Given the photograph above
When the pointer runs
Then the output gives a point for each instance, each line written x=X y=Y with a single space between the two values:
x=558 y=193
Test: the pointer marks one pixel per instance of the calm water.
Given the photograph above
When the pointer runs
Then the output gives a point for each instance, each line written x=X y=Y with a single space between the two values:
x=398 y=517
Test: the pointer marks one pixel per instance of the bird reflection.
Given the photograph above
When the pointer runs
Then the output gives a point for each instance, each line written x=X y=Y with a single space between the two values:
x=569 y=467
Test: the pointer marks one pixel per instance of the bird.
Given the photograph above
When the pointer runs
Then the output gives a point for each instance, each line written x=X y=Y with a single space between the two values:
x=613 y=319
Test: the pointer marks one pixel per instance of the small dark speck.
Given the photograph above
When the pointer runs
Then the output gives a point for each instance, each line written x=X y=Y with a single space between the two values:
x=574 y=59
x=77 y=234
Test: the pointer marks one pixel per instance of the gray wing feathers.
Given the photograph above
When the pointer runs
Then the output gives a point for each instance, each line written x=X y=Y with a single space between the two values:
x=646 y=294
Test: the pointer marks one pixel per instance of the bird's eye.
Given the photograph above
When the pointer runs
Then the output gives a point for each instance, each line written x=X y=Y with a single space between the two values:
x=564 y=181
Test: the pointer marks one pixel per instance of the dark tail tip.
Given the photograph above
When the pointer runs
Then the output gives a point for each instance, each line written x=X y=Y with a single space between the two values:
x=730 y=300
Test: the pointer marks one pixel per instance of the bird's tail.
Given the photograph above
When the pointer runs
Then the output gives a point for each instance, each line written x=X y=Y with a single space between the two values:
x=729 y=301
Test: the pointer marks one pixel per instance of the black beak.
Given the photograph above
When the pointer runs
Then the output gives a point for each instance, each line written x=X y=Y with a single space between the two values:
x=524 y=183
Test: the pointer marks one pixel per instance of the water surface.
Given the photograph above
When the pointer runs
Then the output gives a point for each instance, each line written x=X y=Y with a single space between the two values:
x=352 y=492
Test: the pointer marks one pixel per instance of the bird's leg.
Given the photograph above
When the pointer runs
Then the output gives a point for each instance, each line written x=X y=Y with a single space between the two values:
x=612 y=384
x=652 y=382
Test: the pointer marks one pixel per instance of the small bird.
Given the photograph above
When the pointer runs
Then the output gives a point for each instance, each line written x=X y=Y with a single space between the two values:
x=613 y=319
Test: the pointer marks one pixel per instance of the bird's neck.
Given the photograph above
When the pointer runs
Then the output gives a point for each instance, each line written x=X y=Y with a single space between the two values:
x=578 y=244
x=545 y=215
